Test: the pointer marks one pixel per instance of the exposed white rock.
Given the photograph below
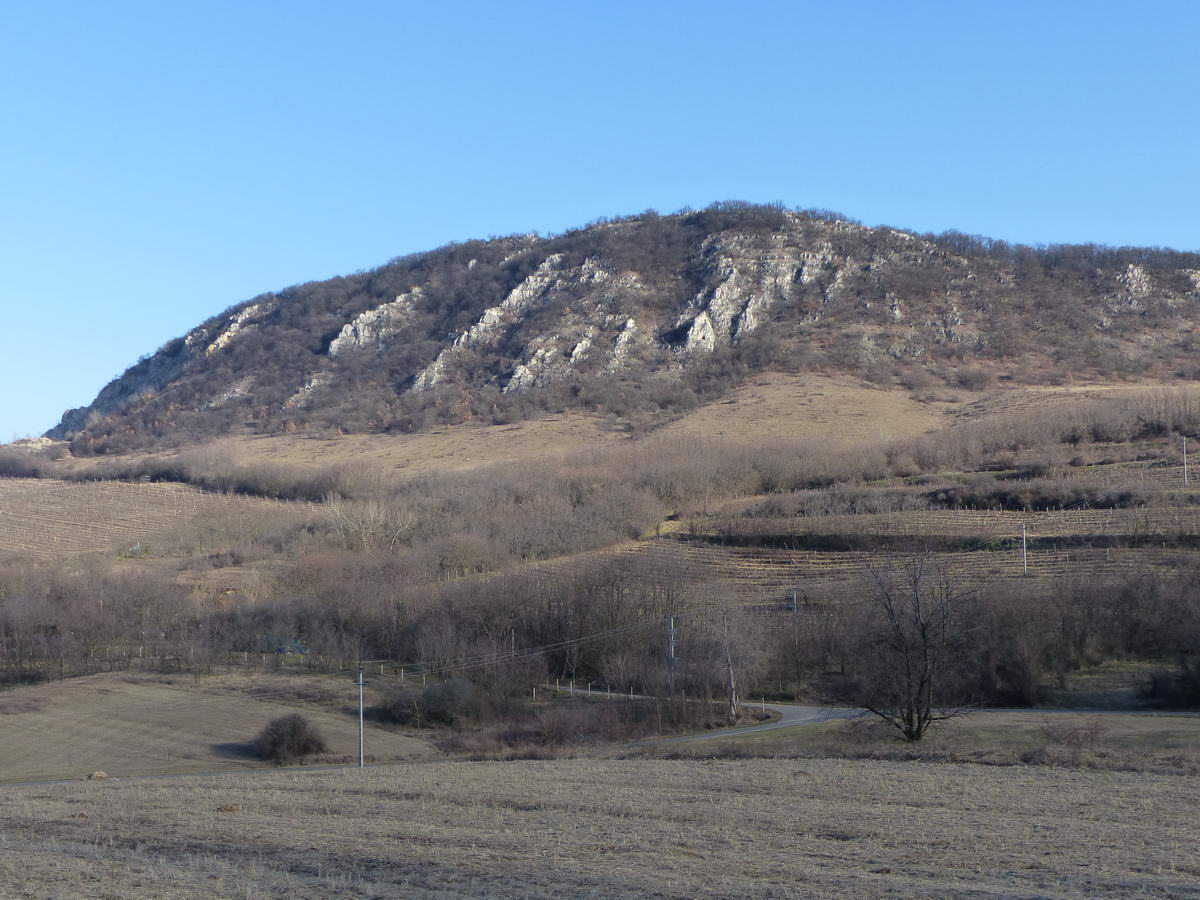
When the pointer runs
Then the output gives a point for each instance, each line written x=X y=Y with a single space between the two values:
x=1136 y=281
x=433 y=374
x=581 y=350
x=372 y=327
x=523 y=295
x=37 y=444
x=749 y=281
x=303 y=397
x=547 y=359
x=240 y=388
x=701 y=336
x=815 y=261
x=532 y=372
x=240 y=322
x=593 y=288
x=626 y=339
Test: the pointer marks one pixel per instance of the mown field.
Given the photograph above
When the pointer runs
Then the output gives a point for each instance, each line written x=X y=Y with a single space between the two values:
x=576 y=828
x=143 y=725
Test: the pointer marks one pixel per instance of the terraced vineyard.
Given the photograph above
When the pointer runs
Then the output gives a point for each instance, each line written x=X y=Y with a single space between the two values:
x=1145 y=521
x=757 y=575
x=45 y=518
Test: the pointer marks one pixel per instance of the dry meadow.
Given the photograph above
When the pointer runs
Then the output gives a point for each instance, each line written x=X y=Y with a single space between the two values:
x=574 y=828
x=132 y=725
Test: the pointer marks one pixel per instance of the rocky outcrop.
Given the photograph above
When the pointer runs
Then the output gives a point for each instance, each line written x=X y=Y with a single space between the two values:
x=373 y=327
x=239 y=323
x=747 y=281
x=647 y=300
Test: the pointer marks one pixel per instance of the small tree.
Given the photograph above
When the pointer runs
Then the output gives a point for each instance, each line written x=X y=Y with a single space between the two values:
x=288 y=739
x=911 y=638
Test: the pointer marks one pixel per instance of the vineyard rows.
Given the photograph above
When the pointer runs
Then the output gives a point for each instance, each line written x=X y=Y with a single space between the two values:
x=985 y=522
x=1133 y=475
x=46 y=518
x=758 y=575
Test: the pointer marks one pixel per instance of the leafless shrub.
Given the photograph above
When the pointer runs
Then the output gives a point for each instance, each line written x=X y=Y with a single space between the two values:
x=1087 y=734
x=288 y=739
x=369 y=524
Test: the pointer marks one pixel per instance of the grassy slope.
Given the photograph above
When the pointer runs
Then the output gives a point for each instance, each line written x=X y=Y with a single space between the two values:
x=843 y=411
x=128 y=725
x=757 y=828
x=51 y=519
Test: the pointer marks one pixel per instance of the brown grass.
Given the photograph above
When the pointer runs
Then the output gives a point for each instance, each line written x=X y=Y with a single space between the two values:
x=125 y=726
x=449 y=448
x=1108 y=741
x=839 y=410
x=568 y=828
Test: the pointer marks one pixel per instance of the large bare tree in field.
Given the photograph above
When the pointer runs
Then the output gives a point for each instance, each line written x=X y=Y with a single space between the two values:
x=912 y=640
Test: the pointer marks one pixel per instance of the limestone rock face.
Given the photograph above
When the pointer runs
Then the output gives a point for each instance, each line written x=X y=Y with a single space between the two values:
x=747 y=281
x=644 y=300
x=240 y=322
x=374 y=326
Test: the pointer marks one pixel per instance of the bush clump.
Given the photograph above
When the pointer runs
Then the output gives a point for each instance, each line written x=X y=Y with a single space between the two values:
x=288 y=739
x=448 y=702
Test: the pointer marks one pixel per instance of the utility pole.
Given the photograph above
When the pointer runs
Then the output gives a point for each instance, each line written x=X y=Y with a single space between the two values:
x=360 y=683
x=1024 y=551
x=1185 y=468
x=671 y=656
x=795 y=638
x=729 y=667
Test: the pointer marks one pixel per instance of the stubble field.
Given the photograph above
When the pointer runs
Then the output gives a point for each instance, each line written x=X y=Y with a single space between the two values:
x=756 y=828
x=126 y=725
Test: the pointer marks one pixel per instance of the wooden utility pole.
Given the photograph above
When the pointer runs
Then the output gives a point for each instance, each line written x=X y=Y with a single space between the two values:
x=360 y=683
x=729 y=669
x=1024 y=552
x=671 y=656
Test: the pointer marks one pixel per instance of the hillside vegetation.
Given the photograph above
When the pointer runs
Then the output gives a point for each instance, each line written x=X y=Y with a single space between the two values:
x=644 y=318
x=766 y=554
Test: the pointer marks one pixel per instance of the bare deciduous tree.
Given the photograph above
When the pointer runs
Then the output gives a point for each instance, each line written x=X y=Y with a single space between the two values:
x=912 y=637
x=369 y=524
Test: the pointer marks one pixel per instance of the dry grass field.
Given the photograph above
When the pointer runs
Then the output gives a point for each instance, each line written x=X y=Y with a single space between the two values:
x=586 y=828
x=841 y=410
x=1123 y=740
x=129 y=725
x=772 y=406
x=1012 y=402
x=450 y=448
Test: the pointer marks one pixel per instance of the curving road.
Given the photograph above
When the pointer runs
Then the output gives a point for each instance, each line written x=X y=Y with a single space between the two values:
x=788 y=717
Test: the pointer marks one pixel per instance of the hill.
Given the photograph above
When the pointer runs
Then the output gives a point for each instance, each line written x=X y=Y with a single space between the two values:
x=643 y=318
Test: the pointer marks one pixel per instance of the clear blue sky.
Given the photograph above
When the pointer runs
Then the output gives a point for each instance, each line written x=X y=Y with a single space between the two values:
x=162 y=161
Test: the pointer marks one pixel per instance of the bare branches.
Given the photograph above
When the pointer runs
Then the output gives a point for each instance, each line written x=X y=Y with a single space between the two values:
x=914 y=626
x=370 y=524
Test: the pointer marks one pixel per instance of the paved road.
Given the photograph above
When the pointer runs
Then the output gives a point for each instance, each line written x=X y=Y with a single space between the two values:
x=788 y=717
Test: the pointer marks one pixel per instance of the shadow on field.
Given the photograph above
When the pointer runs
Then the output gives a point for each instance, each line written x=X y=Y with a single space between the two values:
x=236 y=750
